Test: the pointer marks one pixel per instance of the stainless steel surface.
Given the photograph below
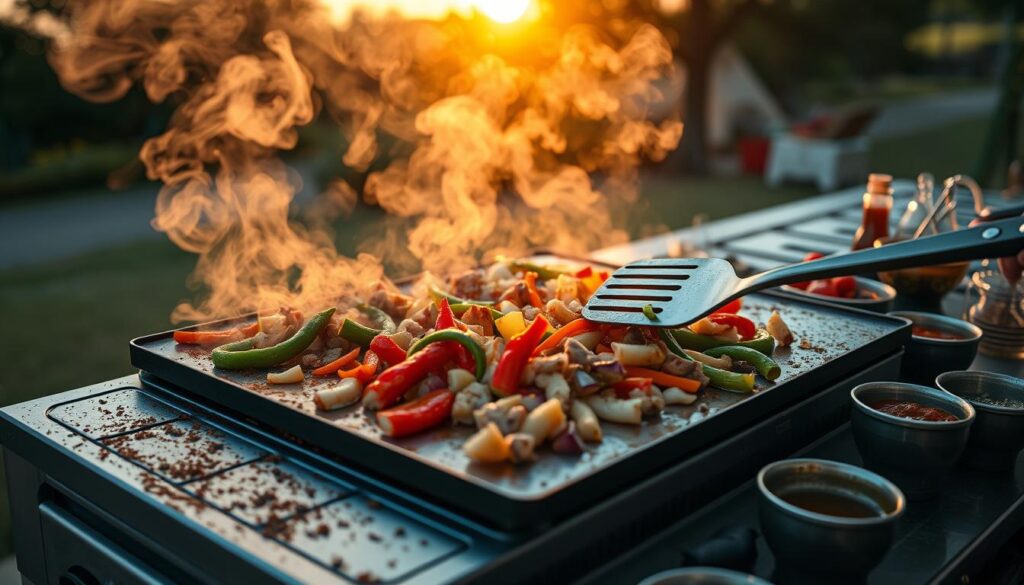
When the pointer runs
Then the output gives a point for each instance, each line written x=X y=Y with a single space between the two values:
x=811 y=547
x=884 y=295
x=997 y=435
x=914 y=454
x=928 y=357
x=702 y=576
x=680 y=291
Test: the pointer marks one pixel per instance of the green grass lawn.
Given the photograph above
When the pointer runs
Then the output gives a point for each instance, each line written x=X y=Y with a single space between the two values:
x=69 y=322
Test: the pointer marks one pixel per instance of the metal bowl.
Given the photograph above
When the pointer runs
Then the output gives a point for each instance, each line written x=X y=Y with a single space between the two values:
x=883 y=294
x=997 y=435
x=926 y=283
x=914 y=454
x=927 y=357
x=820 y=548
x=702 y=576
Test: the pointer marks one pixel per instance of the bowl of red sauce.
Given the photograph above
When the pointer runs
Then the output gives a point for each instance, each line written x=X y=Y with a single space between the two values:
x=912 y=435
x=937 y=344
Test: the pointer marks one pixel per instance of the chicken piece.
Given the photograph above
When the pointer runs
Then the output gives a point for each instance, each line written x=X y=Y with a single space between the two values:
x=778 y=329
x=685 y=368
x=567 y=288
x=468 y=285
x=555 y=386
x=480 y=316
x=411 y=327
x=509 y=418
x=470 y=398
x=393 y=303
x=551 y=364
x=530 y=312
x=560 y=312
x=517 y=294
x=521 y=447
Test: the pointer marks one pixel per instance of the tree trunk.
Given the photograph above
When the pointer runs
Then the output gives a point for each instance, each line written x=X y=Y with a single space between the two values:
x=698 y=51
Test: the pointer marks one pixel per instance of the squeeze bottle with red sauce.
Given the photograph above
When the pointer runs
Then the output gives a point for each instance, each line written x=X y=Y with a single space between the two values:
x=877 y=205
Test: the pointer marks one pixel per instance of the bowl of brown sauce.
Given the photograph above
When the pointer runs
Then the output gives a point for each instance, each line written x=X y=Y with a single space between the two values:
x=997 y=435
x=911 y=434
x=825 y=521
x=937 y=344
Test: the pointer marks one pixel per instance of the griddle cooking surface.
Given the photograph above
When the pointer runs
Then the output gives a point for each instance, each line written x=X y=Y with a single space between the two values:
x=846 y=340
x=193 y=465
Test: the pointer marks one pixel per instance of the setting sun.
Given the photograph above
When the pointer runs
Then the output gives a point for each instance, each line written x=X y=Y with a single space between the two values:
x=503 y=11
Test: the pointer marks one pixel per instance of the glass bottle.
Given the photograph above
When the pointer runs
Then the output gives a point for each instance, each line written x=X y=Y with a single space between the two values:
x=918 y=208
x=877 y=205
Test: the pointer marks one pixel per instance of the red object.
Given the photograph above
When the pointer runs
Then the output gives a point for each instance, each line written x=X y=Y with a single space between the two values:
x=845 y=286
x=922 y=331
x=446 y=320
x=625 y=387
x=584 y=272
x=530 y=278
x=363 y=372
x=395 y=381
x=216 y=337
x=732 y=307
x=813 y=256
x=517 y=353
x=421 y=414
x=663 y=379
x=387 y=350
x=328 y=369
x=823 y=287
x=745 y=327
x=753 y=154
x=912 y=410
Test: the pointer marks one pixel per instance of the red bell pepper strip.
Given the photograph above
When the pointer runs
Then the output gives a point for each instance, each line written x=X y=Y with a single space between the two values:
x=189 y=337
x=517 y=353
x=570 y=329
x=421 y=414
x=395 y=381
x=334 y=366
x=732 y=307
x=625 y=387
x=744 y=327
x=387 y=350
x=584 y=272
x=530 y=278
x=364 y=372
x=446 y=320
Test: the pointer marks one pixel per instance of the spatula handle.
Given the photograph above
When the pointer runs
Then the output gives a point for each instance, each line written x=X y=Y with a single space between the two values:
x=991 y=239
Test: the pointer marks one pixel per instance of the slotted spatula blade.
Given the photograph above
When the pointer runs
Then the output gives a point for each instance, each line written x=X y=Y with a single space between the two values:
x=678 y=290
x=682 y=290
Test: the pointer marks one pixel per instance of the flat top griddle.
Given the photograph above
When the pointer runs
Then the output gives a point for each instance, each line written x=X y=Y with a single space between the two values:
x=512 y=496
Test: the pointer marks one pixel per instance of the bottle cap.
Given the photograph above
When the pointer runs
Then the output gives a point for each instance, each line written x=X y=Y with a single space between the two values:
x=878 y=183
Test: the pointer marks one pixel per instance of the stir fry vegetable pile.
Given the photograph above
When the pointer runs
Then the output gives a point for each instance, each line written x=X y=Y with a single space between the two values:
x=503 y=349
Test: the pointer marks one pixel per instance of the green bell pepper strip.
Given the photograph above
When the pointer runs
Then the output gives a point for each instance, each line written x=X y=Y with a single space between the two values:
x=477 y=352
x=543 y=272
x=437 y=295
x=362 y=335
x=649 y=312
x=460 y=308
x=765 y=365
x=241 y=355
x=762 y=341
x=720 y=378
x=379 y=317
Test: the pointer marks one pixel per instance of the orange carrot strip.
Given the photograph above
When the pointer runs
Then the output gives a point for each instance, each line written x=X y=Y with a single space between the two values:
x=328 y=369
x=216 y=337
x=570 y=329
x=664 y=380
x=530 y=278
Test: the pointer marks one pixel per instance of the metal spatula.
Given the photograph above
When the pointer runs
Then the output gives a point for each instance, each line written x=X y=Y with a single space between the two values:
x=682 y=290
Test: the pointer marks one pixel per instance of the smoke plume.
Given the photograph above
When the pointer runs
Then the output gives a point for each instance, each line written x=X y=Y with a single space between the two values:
x=508 y=139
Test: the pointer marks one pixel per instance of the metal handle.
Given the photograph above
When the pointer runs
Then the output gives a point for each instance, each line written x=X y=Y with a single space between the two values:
x=991 y=239
x=990 y=213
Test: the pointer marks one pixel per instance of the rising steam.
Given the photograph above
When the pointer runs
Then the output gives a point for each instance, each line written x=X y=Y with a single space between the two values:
x=509 y=139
